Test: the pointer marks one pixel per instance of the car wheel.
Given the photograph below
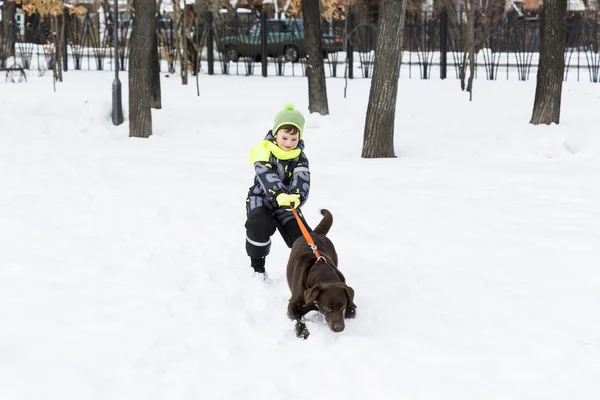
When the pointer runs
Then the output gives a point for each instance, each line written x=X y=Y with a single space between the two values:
x=291 y=54
x=231 y=54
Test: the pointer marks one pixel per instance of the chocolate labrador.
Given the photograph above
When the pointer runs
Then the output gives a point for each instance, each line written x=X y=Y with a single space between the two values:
x=317 y=284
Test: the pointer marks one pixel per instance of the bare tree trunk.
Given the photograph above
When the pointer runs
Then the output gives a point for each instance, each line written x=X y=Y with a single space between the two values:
x=96 y=5
x=61 y=42
x=143 y=39
x=201 y=7
x=471 y=44
x=179 y=32
x=548 y=91
x=315 y=68
x=471 y=72
x=176 y=31
x=184 y=52
x=9 y=29
x=381 y=111
x=463 y=70
x=156 y=97
x=348 y=8
x=58 y=35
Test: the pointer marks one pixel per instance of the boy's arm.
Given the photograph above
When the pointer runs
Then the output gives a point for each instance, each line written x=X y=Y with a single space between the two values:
x=301 y=179
x=269 y=180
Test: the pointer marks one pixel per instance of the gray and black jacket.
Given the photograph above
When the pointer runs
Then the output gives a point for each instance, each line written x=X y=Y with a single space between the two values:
x=279 y=176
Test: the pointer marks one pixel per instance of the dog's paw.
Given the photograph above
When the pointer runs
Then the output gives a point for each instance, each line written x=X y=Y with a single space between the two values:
x=301 y=331
x=350 y=313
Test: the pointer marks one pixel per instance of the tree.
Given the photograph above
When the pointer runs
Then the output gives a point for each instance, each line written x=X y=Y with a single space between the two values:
x=379 y=126
x=315 y=67
x=144 y=85
x=469 y=48
x=180 y=34
x=55 y=9
x=475 y=24
x=551 y=67
x=329 y=8
x=155 y=92
x=9 y=29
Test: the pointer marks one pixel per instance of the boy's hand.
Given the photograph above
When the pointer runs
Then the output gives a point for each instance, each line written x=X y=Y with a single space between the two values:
x=288 y=200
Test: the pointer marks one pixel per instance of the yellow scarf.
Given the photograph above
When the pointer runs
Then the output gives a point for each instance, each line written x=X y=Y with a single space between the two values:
x=263 y=150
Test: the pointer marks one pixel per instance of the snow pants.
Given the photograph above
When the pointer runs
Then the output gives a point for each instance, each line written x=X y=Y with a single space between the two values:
x=261 y=224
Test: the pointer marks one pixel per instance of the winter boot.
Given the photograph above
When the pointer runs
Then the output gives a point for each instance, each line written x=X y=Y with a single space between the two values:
x=258 y=264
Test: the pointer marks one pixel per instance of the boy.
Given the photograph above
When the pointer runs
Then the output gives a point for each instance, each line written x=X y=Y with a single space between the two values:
x=282 y=182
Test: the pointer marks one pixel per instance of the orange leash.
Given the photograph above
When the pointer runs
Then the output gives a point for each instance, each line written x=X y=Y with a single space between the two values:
x=307 y=236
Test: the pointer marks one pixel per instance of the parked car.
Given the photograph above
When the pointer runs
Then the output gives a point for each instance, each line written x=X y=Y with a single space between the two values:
x=285 y=38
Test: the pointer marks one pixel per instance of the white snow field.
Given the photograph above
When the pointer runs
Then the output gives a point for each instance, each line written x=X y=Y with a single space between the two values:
x=475 y=254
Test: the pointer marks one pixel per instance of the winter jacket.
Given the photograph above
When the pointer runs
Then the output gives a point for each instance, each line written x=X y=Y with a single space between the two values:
x=277 y=175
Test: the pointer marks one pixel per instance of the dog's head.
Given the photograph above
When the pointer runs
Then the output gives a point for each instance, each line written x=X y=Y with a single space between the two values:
x=332 y=300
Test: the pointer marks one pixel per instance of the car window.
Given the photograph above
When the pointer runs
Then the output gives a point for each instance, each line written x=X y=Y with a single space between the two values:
x=275 y=27
x=255 y=28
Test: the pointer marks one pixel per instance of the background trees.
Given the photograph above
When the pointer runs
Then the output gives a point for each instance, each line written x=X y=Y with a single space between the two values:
x=56 y=11
x=548 y=91
x=7 y=41
x=315 y=69
x=144 y=78
x=379 y=126
x=478 y=29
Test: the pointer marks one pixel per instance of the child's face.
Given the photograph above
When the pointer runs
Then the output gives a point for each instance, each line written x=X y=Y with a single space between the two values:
x=287 y=141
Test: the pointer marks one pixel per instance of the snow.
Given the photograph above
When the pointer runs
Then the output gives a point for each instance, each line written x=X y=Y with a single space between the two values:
x=169 y=5
x=474 y=254
x=237 y=10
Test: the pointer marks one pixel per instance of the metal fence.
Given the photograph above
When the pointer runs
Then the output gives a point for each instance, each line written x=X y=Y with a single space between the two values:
x=505 y=47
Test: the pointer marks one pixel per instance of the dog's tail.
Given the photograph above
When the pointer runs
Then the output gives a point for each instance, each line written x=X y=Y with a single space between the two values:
x=325 y=223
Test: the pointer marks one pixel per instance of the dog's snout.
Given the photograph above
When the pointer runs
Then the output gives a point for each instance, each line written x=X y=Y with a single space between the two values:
x=337 y=327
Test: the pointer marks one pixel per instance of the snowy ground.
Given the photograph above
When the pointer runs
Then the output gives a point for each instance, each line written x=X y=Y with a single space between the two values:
x=474 y=254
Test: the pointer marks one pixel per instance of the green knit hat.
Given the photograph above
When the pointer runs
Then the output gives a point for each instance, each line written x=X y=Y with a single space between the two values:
x=289 y=116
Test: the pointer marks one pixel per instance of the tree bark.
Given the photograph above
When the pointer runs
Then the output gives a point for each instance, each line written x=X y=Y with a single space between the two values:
x=551 y=68
x=201 y=7
x=315 y=67
x=156 y=97
x=463 y=70
x=177 y=34
x=55 y=37
x=379 y=125
x=179 y=39
x=9 y=29
x=58 y=23
x=184 y=53
x=143 y=39
x=471 y=44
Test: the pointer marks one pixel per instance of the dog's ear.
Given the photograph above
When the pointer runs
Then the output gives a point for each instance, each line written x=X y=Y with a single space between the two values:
x=350 y=294
x=310 y=294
